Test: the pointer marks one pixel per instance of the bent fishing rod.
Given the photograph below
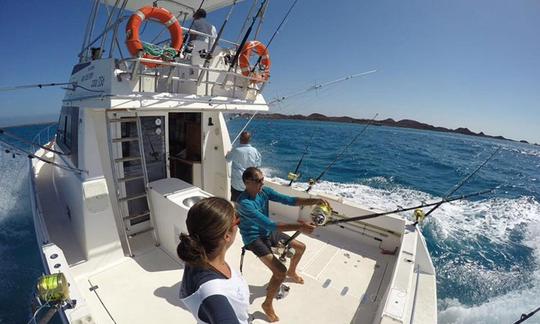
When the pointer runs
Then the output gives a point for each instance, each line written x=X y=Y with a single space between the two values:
x=300 y=92
x=419 y=214
x=323 y=220
x=313 y=182
x=462 y=182
x=398 y=210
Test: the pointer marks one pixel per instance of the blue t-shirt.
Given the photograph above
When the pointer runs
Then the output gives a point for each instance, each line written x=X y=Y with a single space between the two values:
x=255 y=221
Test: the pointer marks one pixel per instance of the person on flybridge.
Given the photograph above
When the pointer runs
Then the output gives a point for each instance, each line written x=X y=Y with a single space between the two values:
x=260 y=233
x=242 y=157
x=200 y=24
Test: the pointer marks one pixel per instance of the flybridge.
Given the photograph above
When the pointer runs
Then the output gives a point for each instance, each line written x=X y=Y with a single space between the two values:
x=189 y=69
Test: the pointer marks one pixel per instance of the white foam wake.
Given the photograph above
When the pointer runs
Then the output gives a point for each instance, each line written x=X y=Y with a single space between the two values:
x=12 y=183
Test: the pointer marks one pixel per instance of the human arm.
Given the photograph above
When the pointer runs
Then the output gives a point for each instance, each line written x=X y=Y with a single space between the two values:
x=301 y=226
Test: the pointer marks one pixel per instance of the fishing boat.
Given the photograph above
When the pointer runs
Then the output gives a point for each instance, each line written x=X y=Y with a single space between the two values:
x=140 y=139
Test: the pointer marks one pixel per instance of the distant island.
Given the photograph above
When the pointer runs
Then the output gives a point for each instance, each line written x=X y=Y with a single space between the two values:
x=405 y=123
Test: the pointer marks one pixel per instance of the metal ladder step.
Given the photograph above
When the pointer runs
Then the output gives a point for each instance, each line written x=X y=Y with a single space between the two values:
x=129 y=198
x=141 y=232
x=127 y=159
x=123 y=120
x=125 y=139
x=145 y=213
x=130 y=178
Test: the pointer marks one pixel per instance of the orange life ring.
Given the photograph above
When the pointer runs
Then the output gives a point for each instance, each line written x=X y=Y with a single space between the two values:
x=133 y=42
x=265 y=63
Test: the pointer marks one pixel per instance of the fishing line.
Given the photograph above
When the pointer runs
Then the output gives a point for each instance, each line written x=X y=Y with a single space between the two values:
x=462 y=182
x=314 y=182
x=278 y=100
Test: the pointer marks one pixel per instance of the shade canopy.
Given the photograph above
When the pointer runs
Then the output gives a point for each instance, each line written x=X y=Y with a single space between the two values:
x=175 y=6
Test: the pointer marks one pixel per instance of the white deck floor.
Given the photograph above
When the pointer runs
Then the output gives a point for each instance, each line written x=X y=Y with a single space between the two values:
x=339 y=286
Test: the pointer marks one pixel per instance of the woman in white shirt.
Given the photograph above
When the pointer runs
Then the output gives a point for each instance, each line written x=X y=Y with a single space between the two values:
x=210 y=289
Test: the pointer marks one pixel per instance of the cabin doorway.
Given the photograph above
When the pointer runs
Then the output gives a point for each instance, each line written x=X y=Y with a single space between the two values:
x=185 y=151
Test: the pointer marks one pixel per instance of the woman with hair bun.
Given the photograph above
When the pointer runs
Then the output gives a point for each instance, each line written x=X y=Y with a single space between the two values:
x=211 y=290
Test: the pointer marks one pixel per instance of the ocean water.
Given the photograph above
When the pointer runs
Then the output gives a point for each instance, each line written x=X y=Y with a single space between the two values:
x=486 y=250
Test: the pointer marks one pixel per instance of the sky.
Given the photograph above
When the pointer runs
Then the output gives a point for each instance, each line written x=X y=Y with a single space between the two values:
x=450 y=63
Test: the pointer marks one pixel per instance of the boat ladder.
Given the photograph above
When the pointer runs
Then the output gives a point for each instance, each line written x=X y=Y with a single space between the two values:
x=123 y=215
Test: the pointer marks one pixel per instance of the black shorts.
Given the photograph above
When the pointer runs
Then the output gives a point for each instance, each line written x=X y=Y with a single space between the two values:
x=261 y=246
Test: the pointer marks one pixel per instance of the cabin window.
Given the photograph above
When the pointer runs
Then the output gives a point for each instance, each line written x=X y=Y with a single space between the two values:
x=66 y=134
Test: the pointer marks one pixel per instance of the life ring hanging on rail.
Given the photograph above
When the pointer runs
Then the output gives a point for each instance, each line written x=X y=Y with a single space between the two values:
x=265 y=62
x=164 y=16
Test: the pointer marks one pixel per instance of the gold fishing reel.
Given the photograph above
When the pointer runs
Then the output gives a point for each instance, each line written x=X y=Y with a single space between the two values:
x=419 y=215
x=293 y=176
x=321 y=214
x=53 y=288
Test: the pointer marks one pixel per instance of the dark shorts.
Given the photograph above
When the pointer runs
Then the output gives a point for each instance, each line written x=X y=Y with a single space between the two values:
x=234 y=194
x=261 y=246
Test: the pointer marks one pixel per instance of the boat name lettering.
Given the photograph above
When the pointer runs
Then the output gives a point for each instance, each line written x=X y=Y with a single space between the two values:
x=98 y=83
x=87 y=76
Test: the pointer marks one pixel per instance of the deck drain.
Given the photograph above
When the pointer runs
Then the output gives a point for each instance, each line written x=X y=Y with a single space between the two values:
x=326 y=283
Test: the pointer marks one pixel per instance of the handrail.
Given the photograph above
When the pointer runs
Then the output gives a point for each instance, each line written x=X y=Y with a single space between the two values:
x=37 y=138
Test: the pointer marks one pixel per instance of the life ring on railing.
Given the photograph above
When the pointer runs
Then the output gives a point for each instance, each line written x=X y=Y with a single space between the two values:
x=265 y=62
x=133 y=41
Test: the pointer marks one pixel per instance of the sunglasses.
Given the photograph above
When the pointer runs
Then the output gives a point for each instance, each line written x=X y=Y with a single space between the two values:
x=259 y=181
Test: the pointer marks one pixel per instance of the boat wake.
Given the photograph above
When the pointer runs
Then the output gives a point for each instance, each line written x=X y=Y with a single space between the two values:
x=485 y=251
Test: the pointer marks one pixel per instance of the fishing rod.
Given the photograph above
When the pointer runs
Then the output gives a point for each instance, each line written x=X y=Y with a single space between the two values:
x=20 y=139
x=276 y=32
x=39 y=85
x=32 y=155
x=246 y=35
x=189 y=29
x=293 y=176
x=398 y=210
x=323 y=218
x=462 y=182
x=313 y=182
x=300 y=92
x=525 y=317
x=214 y=45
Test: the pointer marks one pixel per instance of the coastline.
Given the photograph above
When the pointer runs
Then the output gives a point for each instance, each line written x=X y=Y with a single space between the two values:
x=404 y=123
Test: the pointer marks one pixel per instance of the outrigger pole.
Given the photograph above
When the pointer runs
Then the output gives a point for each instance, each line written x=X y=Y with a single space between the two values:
x=295 y=94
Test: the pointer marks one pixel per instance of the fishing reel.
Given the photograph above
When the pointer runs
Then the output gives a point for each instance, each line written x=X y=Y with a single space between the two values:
x=418 y=216
x=321 y=214
x=293 y=176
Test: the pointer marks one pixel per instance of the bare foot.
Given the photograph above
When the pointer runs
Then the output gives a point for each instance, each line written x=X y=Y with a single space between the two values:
x=269 y=311
x=295 y=278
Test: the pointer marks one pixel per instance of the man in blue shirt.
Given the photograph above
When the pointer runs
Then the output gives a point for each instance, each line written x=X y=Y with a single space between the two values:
x=260 y=233
x=242 y=157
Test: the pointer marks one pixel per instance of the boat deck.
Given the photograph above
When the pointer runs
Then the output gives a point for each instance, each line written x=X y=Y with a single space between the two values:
x=341 y=286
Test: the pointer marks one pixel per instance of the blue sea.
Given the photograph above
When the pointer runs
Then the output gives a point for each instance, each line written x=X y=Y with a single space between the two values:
x=486 y=250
